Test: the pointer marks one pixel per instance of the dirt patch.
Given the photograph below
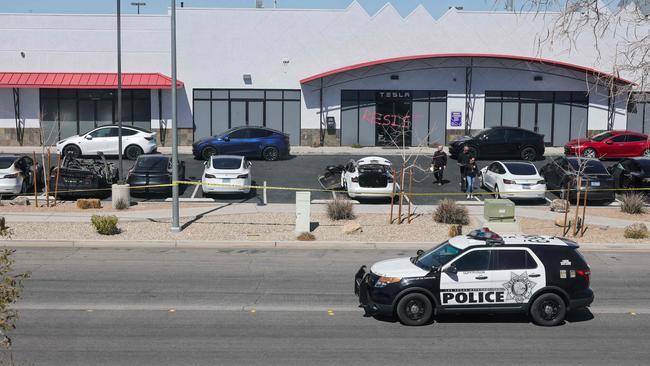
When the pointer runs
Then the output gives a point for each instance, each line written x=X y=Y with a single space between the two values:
x=594 y=234
x=610 y=212
x=71 y=206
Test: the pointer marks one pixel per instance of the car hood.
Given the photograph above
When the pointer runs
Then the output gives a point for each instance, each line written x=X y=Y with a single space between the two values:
x=399 y=267
x=575 y=142
x=462 y=139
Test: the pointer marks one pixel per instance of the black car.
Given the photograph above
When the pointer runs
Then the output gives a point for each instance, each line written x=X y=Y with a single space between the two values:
x=83 y=178
x=632 y=173
x=152 y=173
x=562 y=173
x=501 y=142
x=543 y=276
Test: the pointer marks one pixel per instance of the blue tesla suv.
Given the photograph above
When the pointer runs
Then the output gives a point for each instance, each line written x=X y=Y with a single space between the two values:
x=252 y=142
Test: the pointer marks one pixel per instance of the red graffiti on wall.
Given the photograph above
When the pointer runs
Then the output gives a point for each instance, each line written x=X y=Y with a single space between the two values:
x=392 y=120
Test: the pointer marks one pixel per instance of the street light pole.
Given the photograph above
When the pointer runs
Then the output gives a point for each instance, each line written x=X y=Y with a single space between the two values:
x=119 y=93
x=175 y=204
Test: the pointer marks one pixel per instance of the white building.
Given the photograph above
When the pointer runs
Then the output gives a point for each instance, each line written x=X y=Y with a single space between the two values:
x=338 y=76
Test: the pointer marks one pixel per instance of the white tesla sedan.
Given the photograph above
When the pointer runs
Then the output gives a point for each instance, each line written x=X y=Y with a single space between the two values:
x=18 y=174
x=369 y=177
x=227 y=174
x=513 y=180
x=135 y=141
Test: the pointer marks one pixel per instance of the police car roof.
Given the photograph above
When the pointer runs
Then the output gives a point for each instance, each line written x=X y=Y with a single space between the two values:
x=463 y=241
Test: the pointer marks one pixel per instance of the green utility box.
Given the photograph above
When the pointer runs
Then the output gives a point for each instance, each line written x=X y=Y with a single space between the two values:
x=499 y=210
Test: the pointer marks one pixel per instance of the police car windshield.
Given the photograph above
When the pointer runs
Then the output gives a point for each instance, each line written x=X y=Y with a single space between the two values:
x=437 y=256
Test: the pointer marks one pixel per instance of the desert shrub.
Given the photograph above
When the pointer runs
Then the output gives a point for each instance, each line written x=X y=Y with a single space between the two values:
x=340 y=209
x=356 y=146
x=306 y=237
x=633 y=203
x=5 y=231
x=86 y=203
x=636 y=231
x=105 y=225
x=449 y=212
x=121 y=204
x=455 y=230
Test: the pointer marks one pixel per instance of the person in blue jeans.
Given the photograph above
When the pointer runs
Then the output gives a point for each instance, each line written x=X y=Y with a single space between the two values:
x=471 y=171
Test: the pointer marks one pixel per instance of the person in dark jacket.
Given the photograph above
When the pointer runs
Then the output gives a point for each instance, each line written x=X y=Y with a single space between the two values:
x=463 y=161
x=439 y=163
x=471 y=172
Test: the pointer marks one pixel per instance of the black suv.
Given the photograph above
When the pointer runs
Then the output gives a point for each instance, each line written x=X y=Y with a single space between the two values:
x=542 y=276
x=501 y=142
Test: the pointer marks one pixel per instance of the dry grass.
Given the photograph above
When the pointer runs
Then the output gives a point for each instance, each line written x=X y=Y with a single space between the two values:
x=87 y=203
x=449 y=212
x=340 y=209
x=306 y=237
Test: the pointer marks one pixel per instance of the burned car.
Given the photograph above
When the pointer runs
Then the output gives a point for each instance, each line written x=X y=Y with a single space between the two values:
x=370 y=177
x=79 y=178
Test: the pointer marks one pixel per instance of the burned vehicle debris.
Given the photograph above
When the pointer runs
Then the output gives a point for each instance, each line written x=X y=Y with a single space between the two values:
x=83 y=178
x=370 y=177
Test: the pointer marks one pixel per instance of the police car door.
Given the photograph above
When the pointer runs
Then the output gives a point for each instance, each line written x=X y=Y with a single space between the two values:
x=518 y=272
x=466 y=281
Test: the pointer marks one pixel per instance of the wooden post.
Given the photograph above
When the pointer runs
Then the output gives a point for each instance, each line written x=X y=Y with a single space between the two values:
x=566 y=228
x=56 y=183
x=401 y=195
x=409 y=195
x=575 y=222
x=584 y=211
x=35 y=179
x=392 y=197
x=47 y=174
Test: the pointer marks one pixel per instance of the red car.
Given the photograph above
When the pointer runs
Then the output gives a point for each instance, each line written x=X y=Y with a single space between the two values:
x=610 y=144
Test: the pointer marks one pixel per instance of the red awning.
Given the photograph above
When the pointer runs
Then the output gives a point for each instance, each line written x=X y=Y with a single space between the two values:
x=85 y=80
x=477 y=55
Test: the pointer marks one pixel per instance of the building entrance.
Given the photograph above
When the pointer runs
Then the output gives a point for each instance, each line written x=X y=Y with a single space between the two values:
x=394 y=118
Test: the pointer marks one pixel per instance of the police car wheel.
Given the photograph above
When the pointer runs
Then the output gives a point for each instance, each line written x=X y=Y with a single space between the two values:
x=548 y=310
x=414 y=309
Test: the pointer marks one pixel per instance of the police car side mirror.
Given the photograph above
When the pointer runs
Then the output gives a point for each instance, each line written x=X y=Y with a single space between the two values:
x=419 y=252
x=451 y=269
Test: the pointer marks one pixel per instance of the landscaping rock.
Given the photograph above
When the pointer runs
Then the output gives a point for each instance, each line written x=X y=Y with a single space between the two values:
x=86 y=203
x=20 y=201
x=352 y=227
x=559 y=205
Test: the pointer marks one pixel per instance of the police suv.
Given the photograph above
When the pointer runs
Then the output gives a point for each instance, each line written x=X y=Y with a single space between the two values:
x=543 y=276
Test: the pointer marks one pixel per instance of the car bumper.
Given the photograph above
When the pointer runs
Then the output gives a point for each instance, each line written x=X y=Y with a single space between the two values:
x=149 y=185
x=9 y=186
x=583 y=301
x=232 y=186
x=364 y=291
x=365 y=192
x=594 y=195
x=150 y=147
x=517 y=191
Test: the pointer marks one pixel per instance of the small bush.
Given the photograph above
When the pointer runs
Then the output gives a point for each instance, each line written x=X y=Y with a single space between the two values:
x=633 y=203
x=356 y=146
x=340 y=209
x=121 y=204
x=86 y=203
x=105 y=225
x=636 y=231
x=306 y=237
x=449 y=212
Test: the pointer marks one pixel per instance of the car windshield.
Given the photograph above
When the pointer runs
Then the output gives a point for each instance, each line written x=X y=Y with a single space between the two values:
x=521 y=168
x=436 y=257
x=226 y=163
x=152 y=163
x=373 y=168
x=590 y=166
x=6 y=161
x=601 y=136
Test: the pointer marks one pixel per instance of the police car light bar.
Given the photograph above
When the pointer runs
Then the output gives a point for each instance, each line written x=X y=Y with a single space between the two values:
x=487 y=235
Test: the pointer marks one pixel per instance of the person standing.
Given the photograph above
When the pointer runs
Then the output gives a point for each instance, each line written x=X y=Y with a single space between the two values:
x=471 y=172
x=463 y=161
x=439 y=163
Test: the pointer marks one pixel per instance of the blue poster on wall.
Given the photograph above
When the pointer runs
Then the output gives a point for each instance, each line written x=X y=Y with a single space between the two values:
x=456 y=119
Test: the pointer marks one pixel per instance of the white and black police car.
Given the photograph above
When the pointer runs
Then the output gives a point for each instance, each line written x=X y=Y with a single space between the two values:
x=543 y=276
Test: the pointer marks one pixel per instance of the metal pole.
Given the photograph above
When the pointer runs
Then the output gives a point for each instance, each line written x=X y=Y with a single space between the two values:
x=175 y=204
x=119 y=93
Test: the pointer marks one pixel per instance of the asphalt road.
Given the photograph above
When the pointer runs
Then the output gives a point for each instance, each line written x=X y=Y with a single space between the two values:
x=302 y=171
x=195 y=307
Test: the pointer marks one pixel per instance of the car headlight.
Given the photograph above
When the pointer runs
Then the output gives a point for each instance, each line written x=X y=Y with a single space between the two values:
x=646 y=180
x=383 y=281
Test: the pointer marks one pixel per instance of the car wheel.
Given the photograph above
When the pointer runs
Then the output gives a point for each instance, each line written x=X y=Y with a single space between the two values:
x=271 y=153
x=72 y=151
x=528 y=154
x=496 y=192
x=414 y=309
x=25 y=187
x=589 y=153
x=208 y=152
x=133 y=151
x=548 y=310
x=646 y=153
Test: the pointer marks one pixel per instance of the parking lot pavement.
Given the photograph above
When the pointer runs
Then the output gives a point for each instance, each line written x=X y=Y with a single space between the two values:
x=302 y=171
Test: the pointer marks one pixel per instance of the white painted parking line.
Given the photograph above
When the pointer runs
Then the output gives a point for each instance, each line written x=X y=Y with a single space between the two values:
x=333 y=195
x=478 y=199
x=548 y=199
x=196 y=189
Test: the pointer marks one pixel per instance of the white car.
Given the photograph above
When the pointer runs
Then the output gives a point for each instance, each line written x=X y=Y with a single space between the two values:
x=135 y=141
x=370 y=177
x=227 y=174
x=18 y=174
x=513 y=180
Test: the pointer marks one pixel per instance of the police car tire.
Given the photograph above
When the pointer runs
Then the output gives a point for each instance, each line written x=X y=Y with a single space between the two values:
x=417 y=302
x=556 y=306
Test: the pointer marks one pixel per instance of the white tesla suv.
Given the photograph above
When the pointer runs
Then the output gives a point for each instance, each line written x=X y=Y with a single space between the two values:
x=370 y=177
x=513 y=180
x=227 y=174
x=135 y=141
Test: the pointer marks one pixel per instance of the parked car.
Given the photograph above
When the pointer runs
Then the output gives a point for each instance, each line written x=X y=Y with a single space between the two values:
x=632 y=173
x=153 y=170
x=135 y=141
x=18 y=174
x=563 y=172
x=227 y=174
x=370 y=177
x=501 y=142
x=513 y=180
x=79 y=178
x=251 y=142
x=610 y=144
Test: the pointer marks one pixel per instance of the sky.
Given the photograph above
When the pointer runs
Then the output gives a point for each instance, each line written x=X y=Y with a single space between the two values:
x=404 y=7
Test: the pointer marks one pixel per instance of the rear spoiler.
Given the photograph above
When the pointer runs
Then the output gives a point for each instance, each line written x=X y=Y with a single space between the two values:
x=570 y=243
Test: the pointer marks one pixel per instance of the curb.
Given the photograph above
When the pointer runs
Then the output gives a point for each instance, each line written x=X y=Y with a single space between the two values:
x=331 y=245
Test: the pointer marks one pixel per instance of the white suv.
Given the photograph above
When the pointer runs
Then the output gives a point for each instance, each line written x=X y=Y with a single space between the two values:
x=135 y=141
